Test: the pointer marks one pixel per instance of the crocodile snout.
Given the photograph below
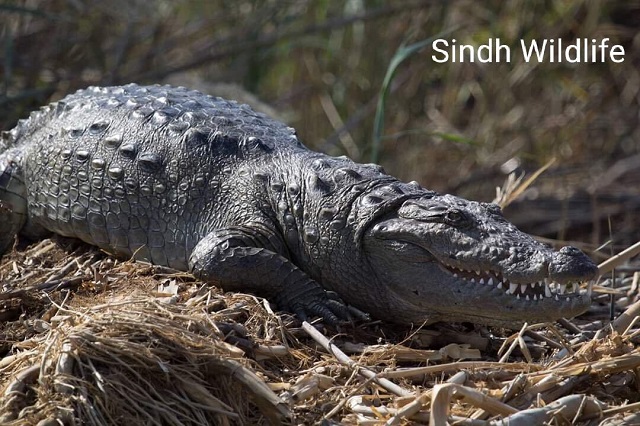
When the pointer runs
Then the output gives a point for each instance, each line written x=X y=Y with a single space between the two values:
x=571 y=264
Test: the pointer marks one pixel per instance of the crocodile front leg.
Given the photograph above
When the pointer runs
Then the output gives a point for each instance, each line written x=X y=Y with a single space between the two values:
x=247 y=258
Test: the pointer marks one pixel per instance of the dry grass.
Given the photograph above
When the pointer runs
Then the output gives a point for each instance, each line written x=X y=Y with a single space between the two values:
x=90 y=340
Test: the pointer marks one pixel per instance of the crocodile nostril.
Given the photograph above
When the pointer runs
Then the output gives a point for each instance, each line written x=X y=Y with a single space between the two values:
x=570 y=251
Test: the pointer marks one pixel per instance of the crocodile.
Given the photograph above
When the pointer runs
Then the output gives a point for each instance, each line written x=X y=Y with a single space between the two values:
x=197 y=183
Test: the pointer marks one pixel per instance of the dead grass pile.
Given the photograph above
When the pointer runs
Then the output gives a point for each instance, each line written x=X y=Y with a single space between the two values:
x=90 y=340
x=133 y=361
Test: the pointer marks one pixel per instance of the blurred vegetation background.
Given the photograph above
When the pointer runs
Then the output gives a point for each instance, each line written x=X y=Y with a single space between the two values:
x=320 y=66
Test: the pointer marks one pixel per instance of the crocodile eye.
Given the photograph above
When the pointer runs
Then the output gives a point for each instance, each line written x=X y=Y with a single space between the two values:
x=454 y=217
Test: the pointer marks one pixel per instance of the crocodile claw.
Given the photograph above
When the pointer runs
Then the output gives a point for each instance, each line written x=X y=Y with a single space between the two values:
x=327 y=306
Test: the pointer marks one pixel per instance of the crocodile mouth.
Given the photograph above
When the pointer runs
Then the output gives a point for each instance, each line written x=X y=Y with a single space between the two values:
x=534 y=291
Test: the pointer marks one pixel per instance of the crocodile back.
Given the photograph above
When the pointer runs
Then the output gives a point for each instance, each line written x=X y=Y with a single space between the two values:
x=140 y=171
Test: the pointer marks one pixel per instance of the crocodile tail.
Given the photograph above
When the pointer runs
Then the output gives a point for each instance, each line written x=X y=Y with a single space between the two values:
x=19 y=134
x=6 y=140
x=11 y=138
x=13 y=201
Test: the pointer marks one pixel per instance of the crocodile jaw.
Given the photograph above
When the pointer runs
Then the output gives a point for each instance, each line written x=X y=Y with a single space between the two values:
x=426 y=291
x=504 y=303
x=481 y=269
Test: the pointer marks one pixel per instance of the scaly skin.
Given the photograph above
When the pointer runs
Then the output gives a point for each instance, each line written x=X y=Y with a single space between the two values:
x=201 y=184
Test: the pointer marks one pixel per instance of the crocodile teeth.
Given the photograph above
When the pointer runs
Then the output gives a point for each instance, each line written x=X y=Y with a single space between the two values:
x=535 y=291
x=547 y=290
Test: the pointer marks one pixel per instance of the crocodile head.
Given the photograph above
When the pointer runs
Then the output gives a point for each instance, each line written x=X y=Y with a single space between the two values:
x=441 y=257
